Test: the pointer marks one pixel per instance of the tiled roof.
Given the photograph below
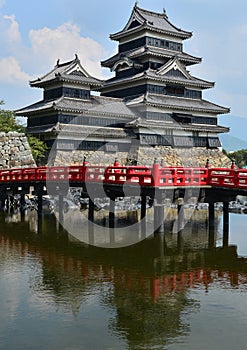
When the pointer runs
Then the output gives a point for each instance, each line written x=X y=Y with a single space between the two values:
x=178 y=126
x=152 y=75
x=97 y=105
x=177 y=103
x=153 y=21
x=82 y=131
x=152 y=51
x=71 y=71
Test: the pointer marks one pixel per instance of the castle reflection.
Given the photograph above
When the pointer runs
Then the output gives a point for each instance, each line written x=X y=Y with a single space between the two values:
x=147 y=284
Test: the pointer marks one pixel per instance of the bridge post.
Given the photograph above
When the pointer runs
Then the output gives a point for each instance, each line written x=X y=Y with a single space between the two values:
x=143 y=214
x=159 y=215
x=90 y=233
x=3 y=199
x=112 y=212
x=39 y=193
x=156 y=173
x=211 y=215
x=40 y=203
x=225 y=224
x=91 y=210
x=180 y=214
x=22 y=206
x=143 y=206
x=60 y=208
x=211 y=222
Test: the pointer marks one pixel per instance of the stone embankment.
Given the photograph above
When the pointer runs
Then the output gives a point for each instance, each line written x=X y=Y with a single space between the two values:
x=15 y=151
x=196 y=156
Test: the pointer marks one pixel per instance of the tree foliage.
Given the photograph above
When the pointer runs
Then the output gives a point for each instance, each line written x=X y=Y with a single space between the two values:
x=8 y=122
x=240 y=157
x=38 y=149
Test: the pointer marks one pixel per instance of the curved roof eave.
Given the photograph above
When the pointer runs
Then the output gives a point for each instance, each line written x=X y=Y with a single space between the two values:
x=220 y=110
x=122 y=34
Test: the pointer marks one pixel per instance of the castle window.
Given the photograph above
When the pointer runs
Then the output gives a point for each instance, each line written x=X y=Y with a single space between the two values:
x=76 y=93
x=172 y=45
x=175 y=91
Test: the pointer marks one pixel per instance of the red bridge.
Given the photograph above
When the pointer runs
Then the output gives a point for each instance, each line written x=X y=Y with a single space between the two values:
x=155 y=176
x=156 y=182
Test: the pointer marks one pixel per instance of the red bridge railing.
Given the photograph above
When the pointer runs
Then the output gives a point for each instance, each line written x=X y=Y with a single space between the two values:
x=155 y=176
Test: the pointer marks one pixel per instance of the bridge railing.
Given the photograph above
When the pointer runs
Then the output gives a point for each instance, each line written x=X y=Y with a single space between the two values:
x=155 y=176
x=118 y=175
x=179 y=176
x=225 y=177
x=241 y=178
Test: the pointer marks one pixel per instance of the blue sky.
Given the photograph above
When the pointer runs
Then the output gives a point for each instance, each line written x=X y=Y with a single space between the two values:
x=35 y=34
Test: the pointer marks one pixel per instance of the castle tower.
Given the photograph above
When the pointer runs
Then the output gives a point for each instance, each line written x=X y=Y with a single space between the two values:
x=151 y=74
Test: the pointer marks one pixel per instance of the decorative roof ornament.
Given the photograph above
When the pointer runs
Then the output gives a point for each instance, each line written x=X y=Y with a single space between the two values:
x=136 y=3
x=165 y=14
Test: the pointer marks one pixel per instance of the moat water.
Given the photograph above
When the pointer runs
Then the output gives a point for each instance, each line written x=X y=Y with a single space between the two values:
x=166 y=292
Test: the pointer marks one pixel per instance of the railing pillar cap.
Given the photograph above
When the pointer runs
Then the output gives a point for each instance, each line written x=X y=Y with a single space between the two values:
x=85 y=161
x=207 y=165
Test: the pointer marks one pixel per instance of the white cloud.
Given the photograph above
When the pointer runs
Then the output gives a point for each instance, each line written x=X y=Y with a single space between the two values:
x=47 y=45
x=11 y=72
x=12 y=33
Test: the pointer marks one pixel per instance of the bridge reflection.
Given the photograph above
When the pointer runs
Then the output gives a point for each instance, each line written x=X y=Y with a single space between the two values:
x=171 y=260
x=147 y=284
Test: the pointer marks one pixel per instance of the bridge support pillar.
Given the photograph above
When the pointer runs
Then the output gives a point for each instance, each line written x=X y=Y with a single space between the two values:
x=225 y=224
x=159 y=217
x=90 y=233
x=143 y=214
x=38 y=191
x=112 y=212
x=211 y=215
x=91 y=210
x=40 y=203
x=180 y=214
x=22 y=206
x=211 y=222
x=3 y=198
x=143 y=206
x=60 y=209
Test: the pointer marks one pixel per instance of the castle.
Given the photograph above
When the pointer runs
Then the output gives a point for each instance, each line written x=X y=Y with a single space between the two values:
x=152 y=107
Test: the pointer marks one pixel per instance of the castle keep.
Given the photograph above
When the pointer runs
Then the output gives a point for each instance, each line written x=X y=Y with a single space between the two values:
x=151 y=107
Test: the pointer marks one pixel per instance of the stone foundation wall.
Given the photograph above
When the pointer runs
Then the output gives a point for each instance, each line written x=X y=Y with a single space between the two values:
x=196 y=156
x=15 y=151
x=76 y=158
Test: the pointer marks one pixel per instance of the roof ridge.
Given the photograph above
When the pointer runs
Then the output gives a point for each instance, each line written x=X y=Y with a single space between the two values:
x=157 y=14
x=160 y=15
x=58 y=64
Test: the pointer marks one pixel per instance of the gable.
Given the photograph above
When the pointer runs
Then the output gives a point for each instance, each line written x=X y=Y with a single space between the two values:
x=76 y=69
x=174 y=68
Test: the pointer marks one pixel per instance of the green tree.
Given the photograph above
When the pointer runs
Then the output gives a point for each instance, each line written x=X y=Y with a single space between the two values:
x=38 y=149
x=8 y=122
x=240 y=157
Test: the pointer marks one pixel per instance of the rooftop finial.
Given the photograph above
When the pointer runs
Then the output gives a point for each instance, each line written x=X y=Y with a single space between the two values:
x=76 y=56
x=58 y=62
x=136 y=3
x=164 y=11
